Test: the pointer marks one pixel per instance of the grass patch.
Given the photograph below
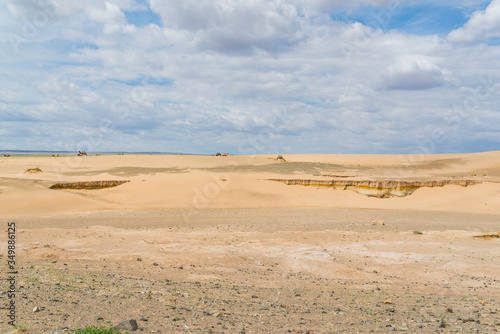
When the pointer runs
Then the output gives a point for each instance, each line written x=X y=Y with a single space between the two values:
x=418 y=232
x=98 y=330
x=20 y=328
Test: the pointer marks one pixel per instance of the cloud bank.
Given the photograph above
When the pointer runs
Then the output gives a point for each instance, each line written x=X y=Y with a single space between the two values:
x=246 y=77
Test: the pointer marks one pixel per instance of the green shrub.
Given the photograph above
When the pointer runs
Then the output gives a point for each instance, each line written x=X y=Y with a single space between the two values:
x=97 y=330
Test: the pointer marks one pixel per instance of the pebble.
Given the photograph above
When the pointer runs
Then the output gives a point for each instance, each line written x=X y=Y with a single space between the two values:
x=36 y=309
x=128 y=325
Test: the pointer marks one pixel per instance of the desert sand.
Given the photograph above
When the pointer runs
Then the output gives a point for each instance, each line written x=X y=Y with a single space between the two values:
x=251 y=244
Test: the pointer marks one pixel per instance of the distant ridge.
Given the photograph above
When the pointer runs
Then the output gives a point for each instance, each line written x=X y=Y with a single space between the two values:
x=71 y=153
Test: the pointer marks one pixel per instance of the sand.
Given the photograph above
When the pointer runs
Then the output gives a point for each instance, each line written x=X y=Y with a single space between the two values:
x=223 y=248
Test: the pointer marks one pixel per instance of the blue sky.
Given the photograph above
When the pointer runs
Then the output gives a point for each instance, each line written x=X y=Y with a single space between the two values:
x=267 y=76
x=141 y=18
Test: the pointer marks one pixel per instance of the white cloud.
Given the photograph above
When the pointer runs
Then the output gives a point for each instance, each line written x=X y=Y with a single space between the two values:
x=413 y=74
x=234 y=27
x=225 y=75
x=483 y=25
x=328 y=5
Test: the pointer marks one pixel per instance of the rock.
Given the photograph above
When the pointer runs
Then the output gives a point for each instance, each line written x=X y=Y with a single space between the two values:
x=449 y=310
x=388 y=301
x=36 y=309
x=139 y=259
x=128 y=325
x=155 y=263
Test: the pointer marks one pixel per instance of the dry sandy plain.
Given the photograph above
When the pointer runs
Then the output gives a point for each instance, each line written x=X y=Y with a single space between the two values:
x=206 y=244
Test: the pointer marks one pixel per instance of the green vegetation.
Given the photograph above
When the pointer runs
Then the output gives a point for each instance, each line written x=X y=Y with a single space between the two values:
x=442 y=323
x=20 y=328
x=97 y=330
x=418 y=232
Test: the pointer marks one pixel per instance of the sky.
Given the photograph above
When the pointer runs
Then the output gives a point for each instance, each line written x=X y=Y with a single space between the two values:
x=250 y=77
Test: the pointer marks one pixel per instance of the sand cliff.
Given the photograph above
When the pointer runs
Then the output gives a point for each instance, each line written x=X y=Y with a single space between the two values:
x=380 y=189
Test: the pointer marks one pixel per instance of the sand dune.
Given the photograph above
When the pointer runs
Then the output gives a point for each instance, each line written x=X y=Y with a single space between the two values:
x=201 y=182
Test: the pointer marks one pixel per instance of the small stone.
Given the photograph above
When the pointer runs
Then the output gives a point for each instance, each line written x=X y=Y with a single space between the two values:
x=36 y=309
x=254 y=296
x=155 y=263
x=449 y=310
x=143 y=319
x=139 y=259
x=404 y=329
x=186 y=327
x=388 y=301
x=128 y=325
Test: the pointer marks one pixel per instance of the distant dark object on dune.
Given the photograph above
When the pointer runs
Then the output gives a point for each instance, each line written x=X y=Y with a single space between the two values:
x=280 y=158
x=81 y=153
x=218 y=154
x=90 y=185
x=221 y=155
x=6 y=155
